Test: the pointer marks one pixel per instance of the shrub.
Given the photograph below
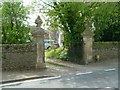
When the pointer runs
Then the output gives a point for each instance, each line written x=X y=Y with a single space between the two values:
x=58 y=53
x=63 y=54
x=50 y=53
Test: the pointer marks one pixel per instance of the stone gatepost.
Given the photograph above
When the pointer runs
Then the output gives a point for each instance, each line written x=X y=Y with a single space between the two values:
x=38 y=39
x=87 y=43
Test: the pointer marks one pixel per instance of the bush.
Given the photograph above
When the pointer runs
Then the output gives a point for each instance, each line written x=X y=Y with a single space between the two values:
x=63 y=54
x=58 y=53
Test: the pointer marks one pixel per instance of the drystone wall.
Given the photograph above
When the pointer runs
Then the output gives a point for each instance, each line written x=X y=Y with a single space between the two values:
x=105 y=50
x=24 y=56
x=18 y=56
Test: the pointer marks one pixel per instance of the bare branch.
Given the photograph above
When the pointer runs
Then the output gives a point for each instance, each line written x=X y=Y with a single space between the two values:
x=48 y=4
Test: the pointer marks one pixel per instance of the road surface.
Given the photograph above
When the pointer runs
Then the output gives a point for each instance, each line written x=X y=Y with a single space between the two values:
x=97 y=79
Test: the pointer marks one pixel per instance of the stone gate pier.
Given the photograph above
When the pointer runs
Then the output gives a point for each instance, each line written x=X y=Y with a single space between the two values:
x=38 y=39
x=87 y=43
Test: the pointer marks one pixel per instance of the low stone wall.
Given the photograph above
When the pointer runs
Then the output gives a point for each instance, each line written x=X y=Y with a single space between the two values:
x=24 y=56
x=18 y=56
x=105 y=50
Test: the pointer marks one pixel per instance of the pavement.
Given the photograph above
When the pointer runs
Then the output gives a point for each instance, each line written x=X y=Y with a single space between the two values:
x=57 y=68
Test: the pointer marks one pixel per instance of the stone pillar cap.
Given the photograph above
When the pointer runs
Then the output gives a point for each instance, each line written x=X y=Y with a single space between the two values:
x=38 y=31
x=38 y=21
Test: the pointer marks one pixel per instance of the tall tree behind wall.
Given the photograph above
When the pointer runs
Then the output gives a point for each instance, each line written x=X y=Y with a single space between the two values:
x=14 y=29
x=72 y=17
x=107 y=23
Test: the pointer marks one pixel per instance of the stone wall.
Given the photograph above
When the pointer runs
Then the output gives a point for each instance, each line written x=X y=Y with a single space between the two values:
x=18 y=56
x=105 y=50
x=24 y=56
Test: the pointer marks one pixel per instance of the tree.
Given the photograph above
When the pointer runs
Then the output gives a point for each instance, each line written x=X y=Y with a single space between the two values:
x=71 y=17
x=72 y=24
x=112 y=32
x=106 y=22
x=14 y=29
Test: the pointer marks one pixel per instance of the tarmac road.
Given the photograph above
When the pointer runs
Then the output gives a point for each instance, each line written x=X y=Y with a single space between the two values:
x=96 y=79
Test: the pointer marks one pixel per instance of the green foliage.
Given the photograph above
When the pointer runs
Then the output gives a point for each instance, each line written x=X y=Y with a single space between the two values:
x=63 y=55
x=51 y=53
x=72 y=15
x=106 y=22
x=75 y=17
x=14 y=29
x=69 y=18
x=59 y=53
x=112 y=33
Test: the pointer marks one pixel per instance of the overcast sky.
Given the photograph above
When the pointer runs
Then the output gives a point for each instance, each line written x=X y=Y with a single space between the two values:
x=33 y=16
x=27 y=2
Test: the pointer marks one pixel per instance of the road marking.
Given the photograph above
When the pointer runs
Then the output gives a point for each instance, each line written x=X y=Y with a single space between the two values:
x=20 y=82
x=110 y=69
x=44 y=79
x=84 y=73
x=10 y=84
x=108 y=87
